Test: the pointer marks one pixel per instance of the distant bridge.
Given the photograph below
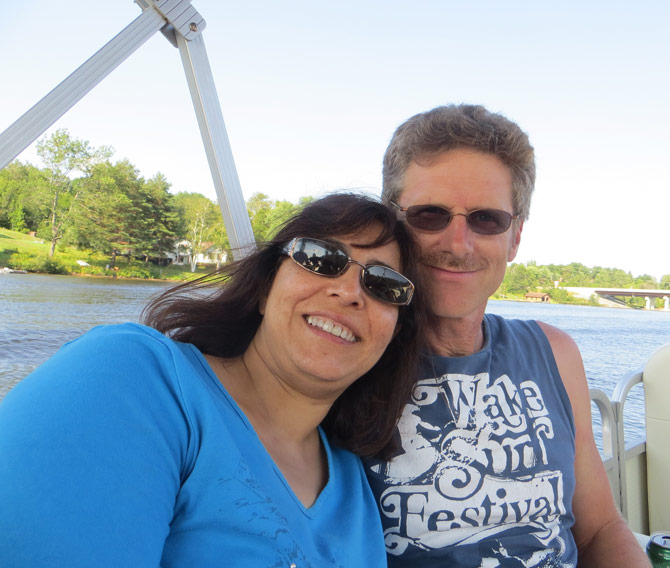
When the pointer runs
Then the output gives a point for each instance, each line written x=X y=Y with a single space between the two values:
x=612 y=295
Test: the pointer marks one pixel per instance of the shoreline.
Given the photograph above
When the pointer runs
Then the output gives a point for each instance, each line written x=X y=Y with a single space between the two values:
x=7 y=270
x=176 y=281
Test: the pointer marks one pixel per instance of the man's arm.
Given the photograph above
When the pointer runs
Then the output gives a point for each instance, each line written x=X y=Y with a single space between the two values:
x=602 y=536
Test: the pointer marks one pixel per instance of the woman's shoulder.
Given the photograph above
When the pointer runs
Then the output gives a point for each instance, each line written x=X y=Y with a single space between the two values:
x=110 y=359
x=124 y=342
x=121 y=333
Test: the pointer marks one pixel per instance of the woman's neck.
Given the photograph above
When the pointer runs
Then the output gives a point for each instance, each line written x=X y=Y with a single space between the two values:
x=285 y=421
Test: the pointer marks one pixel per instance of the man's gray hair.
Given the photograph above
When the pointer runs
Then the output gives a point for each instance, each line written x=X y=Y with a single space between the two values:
x=420 y=138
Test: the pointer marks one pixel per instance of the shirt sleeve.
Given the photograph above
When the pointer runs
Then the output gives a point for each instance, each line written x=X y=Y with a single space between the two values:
x=92 y=451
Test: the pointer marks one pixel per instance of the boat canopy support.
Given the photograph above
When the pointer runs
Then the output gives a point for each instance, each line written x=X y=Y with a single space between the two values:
x=182 y=25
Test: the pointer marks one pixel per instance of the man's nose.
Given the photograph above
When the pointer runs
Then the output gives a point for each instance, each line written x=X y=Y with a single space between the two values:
x=457 y=237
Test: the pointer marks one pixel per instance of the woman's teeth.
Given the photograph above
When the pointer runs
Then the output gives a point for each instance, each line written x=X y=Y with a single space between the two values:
x=331 y=327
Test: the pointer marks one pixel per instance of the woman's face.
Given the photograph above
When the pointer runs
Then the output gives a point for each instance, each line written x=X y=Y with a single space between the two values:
x=320 y=334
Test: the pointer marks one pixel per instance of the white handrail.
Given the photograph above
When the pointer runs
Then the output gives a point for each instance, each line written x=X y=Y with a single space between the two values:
x=614 y=445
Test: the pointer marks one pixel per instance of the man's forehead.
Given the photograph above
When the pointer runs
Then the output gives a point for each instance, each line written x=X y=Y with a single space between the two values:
x=458 y=171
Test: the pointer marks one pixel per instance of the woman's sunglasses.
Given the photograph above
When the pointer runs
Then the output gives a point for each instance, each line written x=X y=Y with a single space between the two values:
x=436 y=218
x=328 y=259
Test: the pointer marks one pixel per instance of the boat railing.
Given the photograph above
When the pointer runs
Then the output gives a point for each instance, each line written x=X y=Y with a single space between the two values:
x=616 y=453
x=638 y=477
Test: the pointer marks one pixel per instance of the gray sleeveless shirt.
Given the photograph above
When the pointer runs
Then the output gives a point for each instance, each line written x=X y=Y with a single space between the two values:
x=485 y=475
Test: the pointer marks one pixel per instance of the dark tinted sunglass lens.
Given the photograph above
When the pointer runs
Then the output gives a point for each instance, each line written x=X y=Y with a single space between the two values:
x=320 y=257
x=489 y=221
x=428 y=217
x=387 y=284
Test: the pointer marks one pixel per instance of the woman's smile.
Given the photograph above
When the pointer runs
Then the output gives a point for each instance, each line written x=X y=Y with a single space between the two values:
x=329 y=326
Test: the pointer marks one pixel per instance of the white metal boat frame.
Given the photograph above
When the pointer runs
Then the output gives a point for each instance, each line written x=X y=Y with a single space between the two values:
x=182 y=25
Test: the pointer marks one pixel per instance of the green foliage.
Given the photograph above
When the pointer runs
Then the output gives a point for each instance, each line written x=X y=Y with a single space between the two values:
x=143 y=271
x=20 y=189
x=201 y=227
x=645 y=282
x=610 y=278
x=635 y=302
x=561 y=296
x=36 y=263
x=268 y=216
x=62 y=156
x=5 y=255
x=17 y=218
x=521 y=278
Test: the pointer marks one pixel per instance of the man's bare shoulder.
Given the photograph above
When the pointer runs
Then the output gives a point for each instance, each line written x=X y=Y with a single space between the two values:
x=569 y=363
x=560 y=341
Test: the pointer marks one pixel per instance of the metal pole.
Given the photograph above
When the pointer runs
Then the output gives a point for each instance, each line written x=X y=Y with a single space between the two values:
x=19 y=135
x=217 y=147
x=182 y=25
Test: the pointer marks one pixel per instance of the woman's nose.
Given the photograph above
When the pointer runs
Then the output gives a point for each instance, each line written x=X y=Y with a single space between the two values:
x=347 y=286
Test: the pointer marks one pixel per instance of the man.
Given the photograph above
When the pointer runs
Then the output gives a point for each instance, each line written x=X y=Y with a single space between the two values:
x=498 y=465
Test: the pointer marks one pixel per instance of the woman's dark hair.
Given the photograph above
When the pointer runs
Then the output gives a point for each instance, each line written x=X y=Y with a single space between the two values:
x=219 y=314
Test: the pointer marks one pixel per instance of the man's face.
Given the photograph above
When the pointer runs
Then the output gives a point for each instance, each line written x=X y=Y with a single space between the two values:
x=462 y=268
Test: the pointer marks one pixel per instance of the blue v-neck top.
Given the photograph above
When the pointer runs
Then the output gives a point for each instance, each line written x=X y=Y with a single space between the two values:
x=124 y=449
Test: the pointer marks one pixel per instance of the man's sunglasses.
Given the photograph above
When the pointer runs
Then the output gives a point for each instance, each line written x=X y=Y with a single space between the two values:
x=436 y=218
x=328 y=259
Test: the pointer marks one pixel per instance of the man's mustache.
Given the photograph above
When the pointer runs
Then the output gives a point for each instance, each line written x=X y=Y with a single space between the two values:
x=447 y=260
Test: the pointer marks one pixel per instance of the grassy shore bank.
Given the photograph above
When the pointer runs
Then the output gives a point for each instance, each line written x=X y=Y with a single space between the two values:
x=23 y=252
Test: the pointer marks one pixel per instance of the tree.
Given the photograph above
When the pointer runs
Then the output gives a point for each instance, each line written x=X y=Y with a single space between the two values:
x=544 y=276
x=221 y=242
x=200 y=219
x=575 y=274
x=102 y=219
x=267 y=216
x=119 y=209
x=62 y=156
x=611 y=278
x=645 y=282
x=518 y=279
x=665 y=282
x=259 y=206
x=20 y=187
x=156 y=220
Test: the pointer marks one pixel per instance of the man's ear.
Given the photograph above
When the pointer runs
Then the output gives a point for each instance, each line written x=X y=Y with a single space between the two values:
x=517 y=227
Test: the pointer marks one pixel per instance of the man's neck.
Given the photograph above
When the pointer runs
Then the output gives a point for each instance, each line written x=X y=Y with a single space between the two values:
x=457 y=337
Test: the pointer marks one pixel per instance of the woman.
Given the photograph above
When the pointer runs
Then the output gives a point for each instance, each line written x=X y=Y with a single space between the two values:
x=201 y=442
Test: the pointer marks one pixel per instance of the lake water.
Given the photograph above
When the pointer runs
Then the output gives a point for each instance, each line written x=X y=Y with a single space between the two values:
x=38 y=313
x=614 y=342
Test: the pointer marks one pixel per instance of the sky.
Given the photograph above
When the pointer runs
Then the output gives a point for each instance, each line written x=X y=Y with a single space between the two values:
x=311 y=93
